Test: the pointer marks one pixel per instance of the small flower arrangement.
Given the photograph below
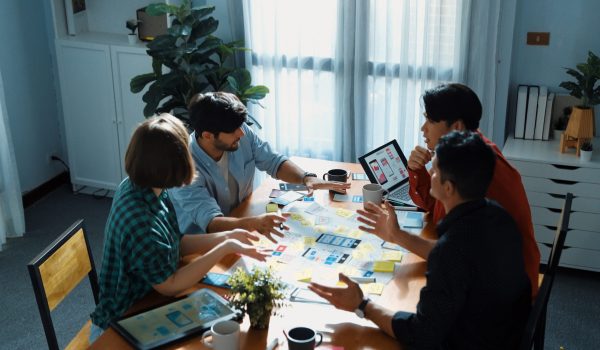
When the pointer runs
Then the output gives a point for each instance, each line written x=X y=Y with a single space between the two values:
x=587 y=146
x=257 y=293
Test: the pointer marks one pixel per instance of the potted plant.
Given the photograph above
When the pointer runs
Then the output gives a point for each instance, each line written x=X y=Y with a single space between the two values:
x=257 y=293
x=586 y=151
x=195 y=61
x=586 y=74
x=132 y=25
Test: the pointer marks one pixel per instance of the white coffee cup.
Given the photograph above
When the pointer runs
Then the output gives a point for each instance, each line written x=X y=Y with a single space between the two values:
x=225 y=336
x=373 y=193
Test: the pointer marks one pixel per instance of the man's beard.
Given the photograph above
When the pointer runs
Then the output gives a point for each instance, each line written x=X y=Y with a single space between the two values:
x=222 y=146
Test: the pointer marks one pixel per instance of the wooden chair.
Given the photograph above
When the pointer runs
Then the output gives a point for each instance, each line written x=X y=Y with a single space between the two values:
x=536 y=324
x=56 y=271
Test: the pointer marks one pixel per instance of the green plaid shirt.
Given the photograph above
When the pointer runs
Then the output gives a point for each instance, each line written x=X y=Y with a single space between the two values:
x=141 y=249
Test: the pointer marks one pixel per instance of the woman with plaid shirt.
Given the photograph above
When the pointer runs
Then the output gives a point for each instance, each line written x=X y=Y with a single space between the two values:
x=143 y=244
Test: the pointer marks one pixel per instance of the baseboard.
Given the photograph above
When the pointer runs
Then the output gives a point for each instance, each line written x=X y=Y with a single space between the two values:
x=39 y=192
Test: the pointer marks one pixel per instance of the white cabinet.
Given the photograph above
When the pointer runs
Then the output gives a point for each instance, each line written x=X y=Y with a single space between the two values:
x=547 y=176
x=99 y=110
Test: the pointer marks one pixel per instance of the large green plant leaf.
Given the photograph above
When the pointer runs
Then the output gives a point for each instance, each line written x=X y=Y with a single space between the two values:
x=204 y=27
x=161 y=9
x=138 y=83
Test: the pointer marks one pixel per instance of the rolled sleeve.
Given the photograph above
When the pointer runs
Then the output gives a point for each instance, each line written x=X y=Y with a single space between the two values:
x=400 y=326
x=195 y=207
x=420 y=183
x=266 y=159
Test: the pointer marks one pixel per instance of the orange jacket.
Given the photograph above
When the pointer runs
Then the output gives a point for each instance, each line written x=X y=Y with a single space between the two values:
x=506 y=189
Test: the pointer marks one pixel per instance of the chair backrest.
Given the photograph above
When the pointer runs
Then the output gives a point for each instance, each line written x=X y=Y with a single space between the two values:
x=57 y=270
x=560 y=235
x=536 y=322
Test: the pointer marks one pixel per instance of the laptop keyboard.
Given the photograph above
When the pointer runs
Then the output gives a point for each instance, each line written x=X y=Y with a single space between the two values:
x=401 y=194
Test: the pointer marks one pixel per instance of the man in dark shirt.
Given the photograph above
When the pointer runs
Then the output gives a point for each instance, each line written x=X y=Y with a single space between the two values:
x=477 y=294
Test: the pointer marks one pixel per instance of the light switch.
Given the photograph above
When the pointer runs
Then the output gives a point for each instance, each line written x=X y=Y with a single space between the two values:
x=538 y=38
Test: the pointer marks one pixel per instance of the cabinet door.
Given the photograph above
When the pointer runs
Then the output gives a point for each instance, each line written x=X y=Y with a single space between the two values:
x=127 y=63
x=89 y=113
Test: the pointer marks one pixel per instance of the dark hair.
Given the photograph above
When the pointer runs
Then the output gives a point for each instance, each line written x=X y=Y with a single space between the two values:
x=158 y=154
x=216 y=112
x=464 y=159
x=452 y=102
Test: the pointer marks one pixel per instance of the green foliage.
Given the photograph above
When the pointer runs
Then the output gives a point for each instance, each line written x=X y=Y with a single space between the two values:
x=586 y=75
x=195 y=62
x=256 y=293
x=132 y=25
x=587 y=146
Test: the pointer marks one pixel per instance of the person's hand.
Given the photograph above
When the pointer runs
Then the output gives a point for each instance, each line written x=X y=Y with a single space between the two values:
x=233 y=246
x=344 y=298
x=418 y=158
x=242 y=235
x=381 y=222
x=314 y=183
x=269 y=225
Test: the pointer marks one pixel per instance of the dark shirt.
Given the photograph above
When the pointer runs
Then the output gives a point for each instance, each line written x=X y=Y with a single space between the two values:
x=477 y=294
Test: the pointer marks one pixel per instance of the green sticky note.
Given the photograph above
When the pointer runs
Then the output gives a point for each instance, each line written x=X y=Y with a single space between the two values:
x=383 y=266
x=272 y=208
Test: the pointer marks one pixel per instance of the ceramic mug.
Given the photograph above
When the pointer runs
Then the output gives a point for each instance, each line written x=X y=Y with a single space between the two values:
x=303 y=338
x=339 y=175
x=225 y=336
x=373 y=193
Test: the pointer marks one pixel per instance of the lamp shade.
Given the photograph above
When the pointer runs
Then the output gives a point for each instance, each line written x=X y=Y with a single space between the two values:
x=581 y=123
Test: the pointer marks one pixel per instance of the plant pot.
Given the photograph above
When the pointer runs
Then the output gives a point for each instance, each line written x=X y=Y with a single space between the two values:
x=133 y=39
x=585 y=156
x=556 y=134
x=259 y=317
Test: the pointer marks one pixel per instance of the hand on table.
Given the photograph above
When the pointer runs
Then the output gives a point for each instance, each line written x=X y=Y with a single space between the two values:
x=314 y=183
x=269 y=224
x=344 y=298
x=233 y=246
x=242 y=235
x=381 y=222
x=419 y=157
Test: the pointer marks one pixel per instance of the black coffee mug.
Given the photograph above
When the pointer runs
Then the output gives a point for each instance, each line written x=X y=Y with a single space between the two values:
x=339 y=175
x=303 y=338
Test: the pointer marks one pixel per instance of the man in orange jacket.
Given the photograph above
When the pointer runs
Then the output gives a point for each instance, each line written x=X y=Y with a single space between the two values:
x=456 y=107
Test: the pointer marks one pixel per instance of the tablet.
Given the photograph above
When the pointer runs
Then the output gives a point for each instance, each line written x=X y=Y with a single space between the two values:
x=193 y=314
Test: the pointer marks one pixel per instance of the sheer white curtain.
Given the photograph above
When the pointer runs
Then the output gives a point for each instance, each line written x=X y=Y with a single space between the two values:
x=347 y=75
x=12 y=221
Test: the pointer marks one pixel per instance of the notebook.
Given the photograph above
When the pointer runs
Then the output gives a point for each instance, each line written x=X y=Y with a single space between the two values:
x=387 y=166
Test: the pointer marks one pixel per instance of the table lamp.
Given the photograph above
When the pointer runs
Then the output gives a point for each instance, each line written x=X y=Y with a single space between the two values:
x=580 y=129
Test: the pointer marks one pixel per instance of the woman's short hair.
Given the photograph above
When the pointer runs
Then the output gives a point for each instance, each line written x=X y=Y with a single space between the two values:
x=158 y=155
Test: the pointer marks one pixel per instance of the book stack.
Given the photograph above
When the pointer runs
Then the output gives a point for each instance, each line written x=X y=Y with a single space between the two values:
x=534 y=112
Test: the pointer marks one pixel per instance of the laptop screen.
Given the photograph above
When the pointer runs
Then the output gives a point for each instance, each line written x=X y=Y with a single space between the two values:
x=386 y=165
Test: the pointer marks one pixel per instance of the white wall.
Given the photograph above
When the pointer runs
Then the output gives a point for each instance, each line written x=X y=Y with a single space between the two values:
x=31 y=102
x=573 y=27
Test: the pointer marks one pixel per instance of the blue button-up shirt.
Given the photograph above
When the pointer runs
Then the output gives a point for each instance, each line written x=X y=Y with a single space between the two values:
x=209 y=195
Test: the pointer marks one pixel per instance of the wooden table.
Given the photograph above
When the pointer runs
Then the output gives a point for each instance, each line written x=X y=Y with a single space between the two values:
x=340 y=328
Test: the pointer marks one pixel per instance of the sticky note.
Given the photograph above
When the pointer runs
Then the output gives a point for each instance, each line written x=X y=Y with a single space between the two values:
x=383 y=266
x=321 y=228
x=341 y=229
x=372 y=288
x=304 y=276
x=296 y=216
x=309 y=241
x=272 y=208
x=345 y=213
x=355 y=233
x=392 y=255
x=366 y=247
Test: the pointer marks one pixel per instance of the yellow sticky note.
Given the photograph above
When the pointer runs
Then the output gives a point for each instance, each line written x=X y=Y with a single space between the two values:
x=348 y=270
x=321 y=228
x=345 y=213
x=372 y=288
x=365 y=247
x=272 y=208
x=304 y=276
x=341 y=229
x=305 y=222
x=359 y=254
x=309 y=241
x=355 y=233
x=383 y=266
x=296 y=217
x=393 y=255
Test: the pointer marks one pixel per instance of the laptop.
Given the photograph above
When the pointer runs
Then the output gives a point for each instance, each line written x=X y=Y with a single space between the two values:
x=387 y=166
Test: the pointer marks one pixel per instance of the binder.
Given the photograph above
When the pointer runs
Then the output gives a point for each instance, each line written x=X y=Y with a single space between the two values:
x=521 y=111
x=548 y=117
x=541 y=113
x=531 y=115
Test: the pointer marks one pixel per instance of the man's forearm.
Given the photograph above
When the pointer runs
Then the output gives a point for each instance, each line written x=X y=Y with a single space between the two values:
x=290 y=172
x=226 y=223
x=415 y=244
x=200 y=243
x=381 y=316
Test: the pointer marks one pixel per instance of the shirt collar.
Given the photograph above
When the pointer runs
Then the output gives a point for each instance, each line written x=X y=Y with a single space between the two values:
x=149 y=196
x=458 y=212
x=197 y=150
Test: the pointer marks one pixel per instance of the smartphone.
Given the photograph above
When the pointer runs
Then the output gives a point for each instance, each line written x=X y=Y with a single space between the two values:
x=360 y=176
x=216 y=279
x=379 y=175
x=338 y=241
x=284 y=186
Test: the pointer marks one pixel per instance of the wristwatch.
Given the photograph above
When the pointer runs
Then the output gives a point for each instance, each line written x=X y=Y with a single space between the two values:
x=360 y=311
x=307 y=174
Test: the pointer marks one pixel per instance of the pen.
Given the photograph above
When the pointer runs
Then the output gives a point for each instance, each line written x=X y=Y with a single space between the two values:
x=273 y=344
x=360 y=280
x=405 y=208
